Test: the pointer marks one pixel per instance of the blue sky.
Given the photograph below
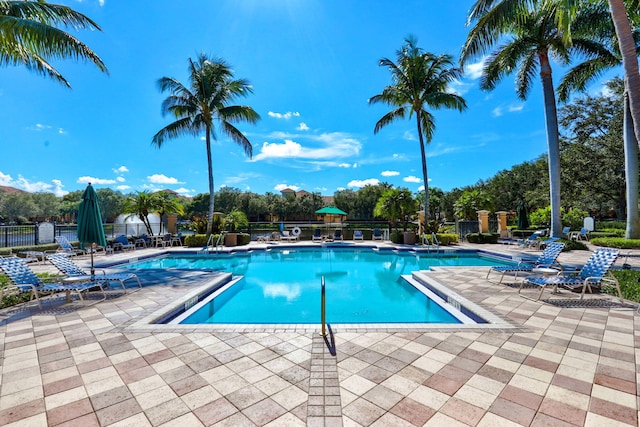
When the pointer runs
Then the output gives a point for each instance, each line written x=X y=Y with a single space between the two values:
x=313 y=66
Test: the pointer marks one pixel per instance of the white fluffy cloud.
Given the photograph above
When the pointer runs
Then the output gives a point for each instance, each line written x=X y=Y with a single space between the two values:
x=302 y=126
x=159 y=178
x=55 y=187
x=359 y=183
x=185 y=191
x=390 y=173
x=281 y=187
x=285 y=116
x=94 y=180
x=474 y=71
x=121 y=169
x=411 y=178
x=317 y=147
x=120 y=179
x=123 y=187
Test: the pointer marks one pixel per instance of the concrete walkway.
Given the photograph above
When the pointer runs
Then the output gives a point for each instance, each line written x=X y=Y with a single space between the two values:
x=98 y=365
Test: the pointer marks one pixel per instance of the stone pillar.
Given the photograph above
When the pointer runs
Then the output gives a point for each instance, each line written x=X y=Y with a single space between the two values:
x=502 y=223
x=483 y=221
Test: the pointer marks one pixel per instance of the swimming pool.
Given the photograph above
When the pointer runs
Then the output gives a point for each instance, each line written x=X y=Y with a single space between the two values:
x=282 y=286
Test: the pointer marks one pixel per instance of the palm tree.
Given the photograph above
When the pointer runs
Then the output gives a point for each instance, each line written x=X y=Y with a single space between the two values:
x=141 y=204
x=420 y=81
x=205 y=101
x=579 y=77
x=29 y=36
x=530 y=35
x=167 y=204
x=396 y=204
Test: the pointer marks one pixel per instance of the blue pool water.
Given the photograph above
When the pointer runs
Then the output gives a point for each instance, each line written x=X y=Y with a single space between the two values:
x=283 y=286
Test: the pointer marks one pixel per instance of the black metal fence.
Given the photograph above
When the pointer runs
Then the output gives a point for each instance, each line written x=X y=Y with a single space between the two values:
x=33 y=235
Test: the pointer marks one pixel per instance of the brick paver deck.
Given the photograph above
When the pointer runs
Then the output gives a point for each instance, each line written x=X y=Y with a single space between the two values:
x=550 y=365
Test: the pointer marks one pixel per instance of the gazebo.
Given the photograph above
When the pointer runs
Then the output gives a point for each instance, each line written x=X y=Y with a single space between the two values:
x=331 y=214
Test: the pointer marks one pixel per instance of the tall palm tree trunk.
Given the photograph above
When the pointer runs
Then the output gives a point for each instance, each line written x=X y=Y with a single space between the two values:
x=629 y=60
x=211 y=195
x=424 y=173
x=631 y=173
x=551 y=120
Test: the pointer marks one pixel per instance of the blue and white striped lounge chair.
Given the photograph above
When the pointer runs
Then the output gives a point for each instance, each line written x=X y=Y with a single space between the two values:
x=24 y=280
x=531 y=241
x=69 y=268
x=67 y=247
x=595 y=272
x=357 y=235
x=377 y=234
x=547 y=259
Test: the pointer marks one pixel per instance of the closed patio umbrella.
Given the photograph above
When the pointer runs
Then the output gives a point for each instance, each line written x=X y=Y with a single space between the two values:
x=523 y=221
x=90 y=229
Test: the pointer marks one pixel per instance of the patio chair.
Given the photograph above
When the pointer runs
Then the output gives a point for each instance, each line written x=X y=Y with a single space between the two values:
x=69 y=268
x=67 y=247
x=317 y=235
x=583 y=234
x=121 y=243
x=595 y=272
x=531 y=241
x=143 y=241
x=547 y=259
x=177 y=240
x=24 y=280
x=377 y=234
x=288 y=236
x=566 y=231
x=357 y=235
x=337 y=234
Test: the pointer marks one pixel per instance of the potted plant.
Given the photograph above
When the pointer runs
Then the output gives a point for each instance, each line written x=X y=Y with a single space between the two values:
x=232 y=222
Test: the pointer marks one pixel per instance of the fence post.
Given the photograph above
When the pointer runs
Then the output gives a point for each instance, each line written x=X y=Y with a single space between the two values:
x=35 y=234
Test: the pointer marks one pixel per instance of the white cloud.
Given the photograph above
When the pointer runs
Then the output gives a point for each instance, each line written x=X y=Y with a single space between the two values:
x=159 y=178
x=93 y=180
x=513 y=108
x=411 y=178
x=474 y=71
x=185 y=191
x=409 y=136
x=344 y=165
x=359 y=183
x=120 y=179
x=390 y=173
x=22 y=183
x=281 y=187
x=496 y=112
x=324 y=146
x=123 y=187
x=302 y=126
x=121 y=169
x=285 y=116
x=421 y=188
x=39 y=127
x=62 y=131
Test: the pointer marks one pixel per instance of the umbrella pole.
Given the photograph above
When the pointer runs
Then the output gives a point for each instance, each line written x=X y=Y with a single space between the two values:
x=93 y=272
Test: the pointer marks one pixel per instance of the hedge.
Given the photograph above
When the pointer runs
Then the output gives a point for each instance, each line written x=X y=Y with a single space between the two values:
x=616 y=242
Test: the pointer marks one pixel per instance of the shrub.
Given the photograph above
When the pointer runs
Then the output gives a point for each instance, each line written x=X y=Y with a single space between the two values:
x=397 y=238
x=244 y=239
x=620 y=225
x=482 y=237
x=616 y=242
x=599 y=234
x=197 y=240
x=447 y=239
x=574 y=219
x=573 y=245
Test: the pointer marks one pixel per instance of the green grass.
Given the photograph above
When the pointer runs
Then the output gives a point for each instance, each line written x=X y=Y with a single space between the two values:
x=628 y=284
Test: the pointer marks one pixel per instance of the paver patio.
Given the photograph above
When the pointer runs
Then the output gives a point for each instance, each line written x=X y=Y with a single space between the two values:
x=76 y=365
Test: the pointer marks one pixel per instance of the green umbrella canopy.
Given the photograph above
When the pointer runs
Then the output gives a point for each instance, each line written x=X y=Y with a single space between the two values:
x=331 y=210
x=90 y=228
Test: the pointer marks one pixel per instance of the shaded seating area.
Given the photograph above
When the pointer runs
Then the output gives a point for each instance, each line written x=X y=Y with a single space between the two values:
x=69 y=268
x=547 y=259
x=595 y=273
x=24 y=280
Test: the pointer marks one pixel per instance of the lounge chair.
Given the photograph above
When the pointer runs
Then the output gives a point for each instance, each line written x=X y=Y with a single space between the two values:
x=24 y=280
x=357 y=235
x=121 y=243
x=176 y=240
x=337 y=234
x=69 y=268
x=317 y=235
x=531 y=241
x=67 y=247
x=143 y=241
x=566 y=231
x=583 y=234
x=547 y=259
x=377 y=234
x=596 y=271
x=286 y=235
